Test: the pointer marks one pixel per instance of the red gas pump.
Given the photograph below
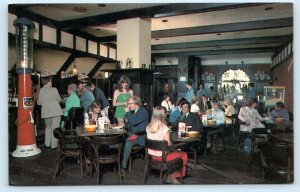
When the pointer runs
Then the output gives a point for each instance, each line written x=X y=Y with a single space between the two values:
x=26 y=144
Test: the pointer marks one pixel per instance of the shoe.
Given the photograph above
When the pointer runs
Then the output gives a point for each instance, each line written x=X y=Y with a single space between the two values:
x=123 y=171
x=171 y=180
x=174 y=180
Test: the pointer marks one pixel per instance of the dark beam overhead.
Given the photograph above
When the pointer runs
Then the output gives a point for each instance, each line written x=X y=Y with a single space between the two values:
x=227 y=42
x=19 y=11
x=217 y=52
x=150 y=12
x=95 y=69
x=107 y=38
x=67 y=64
x=222 y=28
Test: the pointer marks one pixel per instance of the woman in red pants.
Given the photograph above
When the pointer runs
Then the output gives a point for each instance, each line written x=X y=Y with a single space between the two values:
x=158 y=130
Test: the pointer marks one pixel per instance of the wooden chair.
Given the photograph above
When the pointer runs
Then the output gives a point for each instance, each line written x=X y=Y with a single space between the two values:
x=259 y=139
x=69 y=145
x=75 y=118
x=98 y=151
x=163 y=165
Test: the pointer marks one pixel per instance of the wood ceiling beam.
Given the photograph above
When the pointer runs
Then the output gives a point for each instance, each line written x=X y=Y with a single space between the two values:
x=67 y=64
x=95 y=69
x=217 y=52
x=19 y=11
x=223 y=28
x=152 y=12
x=227 y=42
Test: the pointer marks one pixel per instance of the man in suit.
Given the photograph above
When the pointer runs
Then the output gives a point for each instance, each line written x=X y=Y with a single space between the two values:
x=99 y=96
x=204 y=105
x=190 y=92
x=49 y=99
x=136 y=120
x=189 y=118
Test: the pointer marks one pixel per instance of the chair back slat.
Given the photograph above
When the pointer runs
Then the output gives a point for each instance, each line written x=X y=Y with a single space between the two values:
x=156 y=145
x=110 y=140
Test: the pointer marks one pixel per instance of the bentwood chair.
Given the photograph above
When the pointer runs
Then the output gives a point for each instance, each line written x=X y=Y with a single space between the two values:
x=69 y=145
x=259 y=141
x=98 y=151
x=165 y=167
x=75 y=118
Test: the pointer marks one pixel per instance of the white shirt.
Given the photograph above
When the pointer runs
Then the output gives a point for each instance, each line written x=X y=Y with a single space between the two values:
x=195 y=108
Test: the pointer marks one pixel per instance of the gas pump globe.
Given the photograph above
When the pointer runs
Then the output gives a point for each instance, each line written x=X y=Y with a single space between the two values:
x=26 y=144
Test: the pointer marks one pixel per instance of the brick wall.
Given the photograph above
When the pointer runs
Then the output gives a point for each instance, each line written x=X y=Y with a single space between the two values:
x=284 y=77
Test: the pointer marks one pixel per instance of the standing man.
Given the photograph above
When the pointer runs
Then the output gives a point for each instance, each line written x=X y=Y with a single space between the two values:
x=251 y=93
x=49 y=99
x=136 y=120
x=190 y=92
x=99 y=96
x=86 y=98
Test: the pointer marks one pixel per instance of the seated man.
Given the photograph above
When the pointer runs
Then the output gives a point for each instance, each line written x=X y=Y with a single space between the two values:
x=136 y=120
x=176 y=111
x=279 y=111
x=204 y=105
x=189 y=118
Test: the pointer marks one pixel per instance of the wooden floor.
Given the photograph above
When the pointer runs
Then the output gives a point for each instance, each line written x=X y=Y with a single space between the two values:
x=216 y=168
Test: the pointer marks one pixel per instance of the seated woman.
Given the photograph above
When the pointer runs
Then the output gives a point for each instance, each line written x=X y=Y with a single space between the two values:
x=95 y=111
x=250 y=117
x=229 y=110
x=195 y=105
x=158 y=130
x=167 y=103
x=217 y=114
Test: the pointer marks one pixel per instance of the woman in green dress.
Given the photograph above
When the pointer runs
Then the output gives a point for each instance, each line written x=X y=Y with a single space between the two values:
x=121 y=96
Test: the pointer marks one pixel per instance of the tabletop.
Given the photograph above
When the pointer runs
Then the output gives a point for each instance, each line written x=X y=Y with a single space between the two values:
x=114 y=131
x=284 y=137
x=175 y=138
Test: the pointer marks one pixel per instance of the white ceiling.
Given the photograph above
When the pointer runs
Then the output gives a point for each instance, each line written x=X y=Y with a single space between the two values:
x=257 y=12
x=68 y=11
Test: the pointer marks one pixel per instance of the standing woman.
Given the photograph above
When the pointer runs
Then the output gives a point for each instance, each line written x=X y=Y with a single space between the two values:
x=49 y=99
x=121 y=96
x=158 y=130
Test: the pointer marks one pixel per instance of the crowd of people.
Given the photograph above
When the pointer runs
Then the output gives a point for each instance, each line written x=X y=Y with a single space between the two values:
x=130 y=112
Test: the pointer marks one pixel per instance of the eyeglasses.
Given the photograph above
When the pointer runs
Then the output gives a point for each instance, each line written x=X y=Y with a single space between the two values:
x=129 y=103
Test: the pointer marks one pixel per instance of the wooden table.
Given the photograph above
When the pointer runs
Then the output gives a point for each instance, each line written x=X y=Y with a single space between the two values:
x=114 y=131
x=186 y=141
x=284 y=137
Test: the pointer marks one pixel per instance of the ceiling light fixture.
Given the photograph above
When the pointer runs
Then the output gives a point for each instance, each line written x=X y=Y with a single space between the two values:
x=74 y=70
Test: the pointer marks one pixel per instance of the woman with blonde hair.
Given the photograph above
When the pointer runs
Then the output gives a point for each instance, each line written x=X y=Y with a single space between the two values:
x=121 y=96
x=158 y=130
x=229 y=109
